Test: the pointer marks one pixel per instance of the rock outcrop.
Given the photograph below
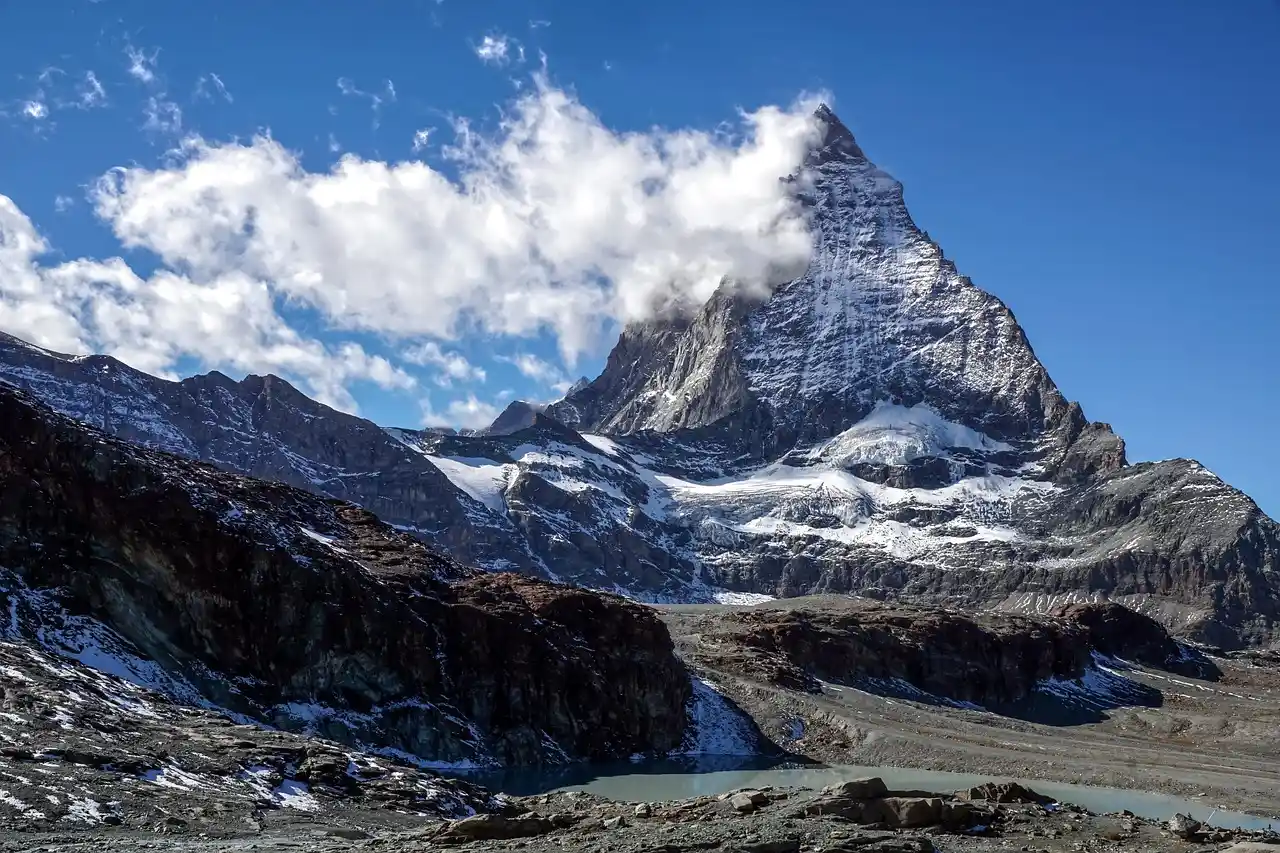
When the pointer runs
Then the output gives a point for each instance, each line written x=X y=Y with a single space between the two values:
x=994 y=660
x=312 y=614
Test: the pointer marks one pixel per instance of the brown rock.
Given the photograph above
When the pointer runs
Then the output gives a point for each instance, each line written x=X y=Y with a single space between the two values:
x=842 y=807
x=492 y=827
x=906 y=812
x=870 y=788
x=963 y=815
x=983 y=658
x=1003 y=792
x=748 y=801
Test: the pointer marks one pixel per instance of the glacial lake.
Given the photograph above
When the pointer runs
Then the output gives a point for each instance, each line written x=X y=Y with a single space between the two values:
x=655 y=781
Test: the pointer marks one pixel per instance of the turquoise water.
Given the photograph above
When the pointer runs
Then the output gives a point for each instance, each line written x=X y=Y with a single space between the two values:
x=654 y=781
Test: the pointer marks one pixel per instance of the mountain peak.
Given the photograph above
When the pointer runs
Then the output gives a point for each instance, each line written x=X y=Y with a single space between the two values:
x=837 y=139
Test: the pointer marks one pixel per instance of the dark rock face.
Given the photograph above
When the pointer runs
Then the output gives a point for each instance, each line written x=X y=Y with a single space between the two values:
x=312 y=614
x=877 y=425
x=990 y=662
x=1116 y=630
x=993 y=659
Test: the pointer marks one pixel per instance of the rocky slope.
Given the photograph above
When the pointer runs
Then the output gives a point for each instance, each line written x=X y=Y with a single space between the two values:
x=268 y=603
x=878 y=425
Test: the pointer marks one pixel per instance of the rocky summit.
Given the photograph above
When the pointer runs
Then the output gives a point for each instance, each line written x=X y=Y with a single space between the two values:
x=878 y=425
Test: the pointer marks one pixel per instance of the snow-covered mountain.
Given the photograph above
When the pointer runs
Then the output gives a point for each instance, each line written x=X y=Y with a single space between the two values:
x=878 y=425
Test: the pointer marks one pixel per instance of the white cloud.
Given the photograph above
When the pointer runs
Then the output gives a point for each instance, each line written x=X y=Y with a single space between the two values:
x=496 y=49
x=335 y=146
x=420 y=139
x=210 y=85
x=550 y=224
x=376 y=100
x=467 y=413
x=554 y=223
x=63 y=203
x=161 y=115
x=538 y=24
x=452 y=366
x=90 y=93
x=35 y=109
x=151 y=323
x=536 y=369
x=142 y=67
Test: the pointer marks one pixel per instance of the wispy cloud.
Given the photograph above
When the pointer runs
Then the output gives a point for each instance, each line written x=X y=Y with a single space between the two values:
x=498 y=50
x=90 y=92
x=451 y=366
x=36 y=109
x=63 y=203
x=210 y=86
x=376 y=99
x=162 y=116
x=538 y=24
x=536 y=369
x=466 y=413
x=141 y=66
x=420 y=139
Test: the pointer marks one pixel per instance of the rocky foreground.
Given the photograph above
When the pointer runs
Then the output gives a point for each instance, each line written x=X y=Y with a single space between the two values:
x=860 y=815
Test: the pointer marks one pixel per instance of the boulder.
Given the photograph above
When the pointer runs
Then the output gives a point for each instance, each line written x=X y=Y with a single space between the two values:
x=492 y=827
x=867 y=788
x=1184 y=826
x=1003 y=792
x=963 y=815
x=906 y=812
x=841 y=807
x=746 y=802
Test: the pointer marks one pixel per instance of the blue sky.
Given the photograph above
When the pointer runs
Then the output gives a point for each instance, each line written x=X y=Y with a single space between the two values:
x=1108 y=170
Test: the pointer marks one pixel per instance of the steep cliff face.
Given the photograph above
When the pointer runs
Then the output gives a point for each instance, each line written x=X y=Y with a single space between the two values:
x=313 y=615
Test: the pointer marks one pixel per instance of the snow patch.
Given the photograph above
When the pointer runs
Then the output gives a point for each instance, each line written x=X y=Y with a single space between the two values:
x=328 y=541
x=483 y=479
x=716 y=726
x=742 y=599
x=895 y=435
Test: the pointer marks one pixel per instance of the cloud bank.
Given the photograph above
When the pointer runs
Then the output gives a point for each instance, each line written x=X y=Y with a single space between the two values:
x=553 y=223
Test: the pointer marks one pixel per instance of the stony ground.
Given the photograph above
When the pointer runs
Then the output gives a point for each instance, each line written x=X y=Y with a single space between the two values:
x=776 y=821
